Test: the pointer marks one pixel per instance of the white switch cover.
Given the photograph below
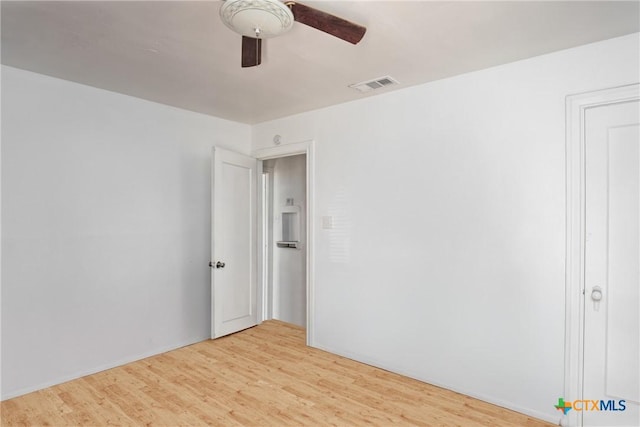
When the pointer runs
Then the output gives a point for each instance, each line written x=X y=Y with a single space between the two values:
x=327 y=222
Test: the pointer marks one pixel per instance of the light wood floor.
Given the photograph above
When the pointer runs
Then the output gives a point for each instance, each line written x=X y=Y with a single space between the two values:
x=264 y=376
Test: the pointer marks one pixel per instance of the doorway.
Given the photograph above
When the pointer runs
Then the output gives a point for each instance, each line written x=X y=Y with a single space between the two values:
x=305 y=148
x=602 y=343
x=284 y=225
x=241 y=291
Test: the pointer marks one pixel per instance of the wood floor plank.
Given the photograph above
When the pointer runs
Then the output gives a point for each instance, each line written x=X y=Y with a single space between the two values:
x=264 y=376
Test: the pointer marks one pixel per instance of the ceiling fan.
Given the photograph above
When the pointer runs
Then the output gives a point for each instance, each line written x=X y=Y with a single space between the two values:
x=260 y=19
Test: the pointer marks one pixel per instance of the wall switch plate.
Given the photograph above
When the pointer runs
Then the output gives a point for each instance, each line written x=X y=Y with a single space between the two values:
x=327 y=222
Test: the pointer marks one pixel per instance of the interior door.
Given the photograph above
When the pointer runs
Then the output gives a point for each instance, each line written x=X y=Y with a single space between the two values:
x=233 y=245
x=612 y=266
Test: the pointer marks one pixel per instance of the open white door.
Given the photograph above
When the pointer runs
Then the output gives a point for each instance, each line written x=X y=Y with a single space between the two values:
x=233 y=243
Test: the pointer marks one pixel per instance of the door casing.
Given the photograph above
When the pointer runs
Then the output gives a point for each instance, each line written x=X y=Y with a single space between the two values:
x=307 y=148
x=576 y=106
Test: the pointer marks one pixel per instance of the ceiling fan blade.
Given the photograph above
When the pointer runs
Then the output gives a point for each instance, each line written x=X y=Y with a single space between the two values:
x=330 y=24
x=251 y=51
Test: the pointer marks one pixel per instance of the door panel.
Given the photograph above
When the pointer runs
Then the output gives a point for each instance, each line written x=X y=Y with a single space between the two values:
x=612 y=264
x=623 y=255
x=233 y=284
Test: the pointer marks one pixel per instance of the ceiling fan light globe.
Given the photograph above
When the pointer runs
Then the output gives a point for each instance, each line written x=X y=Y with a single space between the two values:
x=257 y=18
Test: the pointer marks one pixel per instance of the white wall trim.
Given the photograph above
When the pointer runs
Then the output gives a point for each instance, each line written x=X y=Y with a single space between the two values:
x=265 y=229
x=284 y=150
x=103 y=367
x=372 y=361
x=308 y=148
x=576 y=106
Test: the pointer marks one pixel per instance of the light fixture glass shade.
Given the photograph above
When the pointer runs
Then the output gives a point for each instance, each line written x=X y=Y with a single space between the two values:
x=257 y=18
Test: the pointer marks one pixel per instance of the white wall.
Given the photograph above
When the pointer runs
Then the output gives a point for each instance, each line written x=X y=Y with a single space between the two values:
x=105 y=228
x=446 y=261
x=289 y=265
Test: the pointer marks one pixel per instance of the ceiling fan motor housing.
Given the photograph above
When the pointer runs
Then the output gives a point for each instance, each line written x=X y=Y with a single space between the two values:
x=257 y=18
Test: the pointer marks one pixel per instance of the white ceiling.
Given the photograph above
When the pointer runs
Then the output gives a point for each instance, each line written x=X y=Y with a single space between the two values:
x=179 y=53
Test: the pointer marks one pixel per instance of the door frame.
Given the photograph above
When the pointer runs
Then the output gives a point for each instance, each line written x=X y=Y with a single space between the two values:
x=576 y=107
x=265 y=228
x=308 y=148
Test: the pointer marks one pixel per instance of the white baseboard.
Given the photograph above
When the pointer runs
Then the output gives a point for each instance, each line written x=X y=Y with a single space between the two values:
x=15 y=393
x=502 y=403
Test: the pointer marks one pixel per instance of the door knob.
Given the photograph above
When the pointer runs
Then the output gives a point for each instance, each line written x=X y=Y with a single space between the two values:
x=596 y=296
x=596 y=293
x=217 y=264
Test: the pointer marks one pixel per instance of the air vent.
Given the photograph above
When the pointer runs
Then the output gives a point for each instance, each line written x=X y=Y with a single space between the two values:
x=374 y=84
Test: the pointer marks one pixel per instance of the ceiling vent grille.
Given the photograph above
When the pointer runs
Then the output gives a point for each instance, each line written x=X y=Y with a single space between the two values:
x=374 y=84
